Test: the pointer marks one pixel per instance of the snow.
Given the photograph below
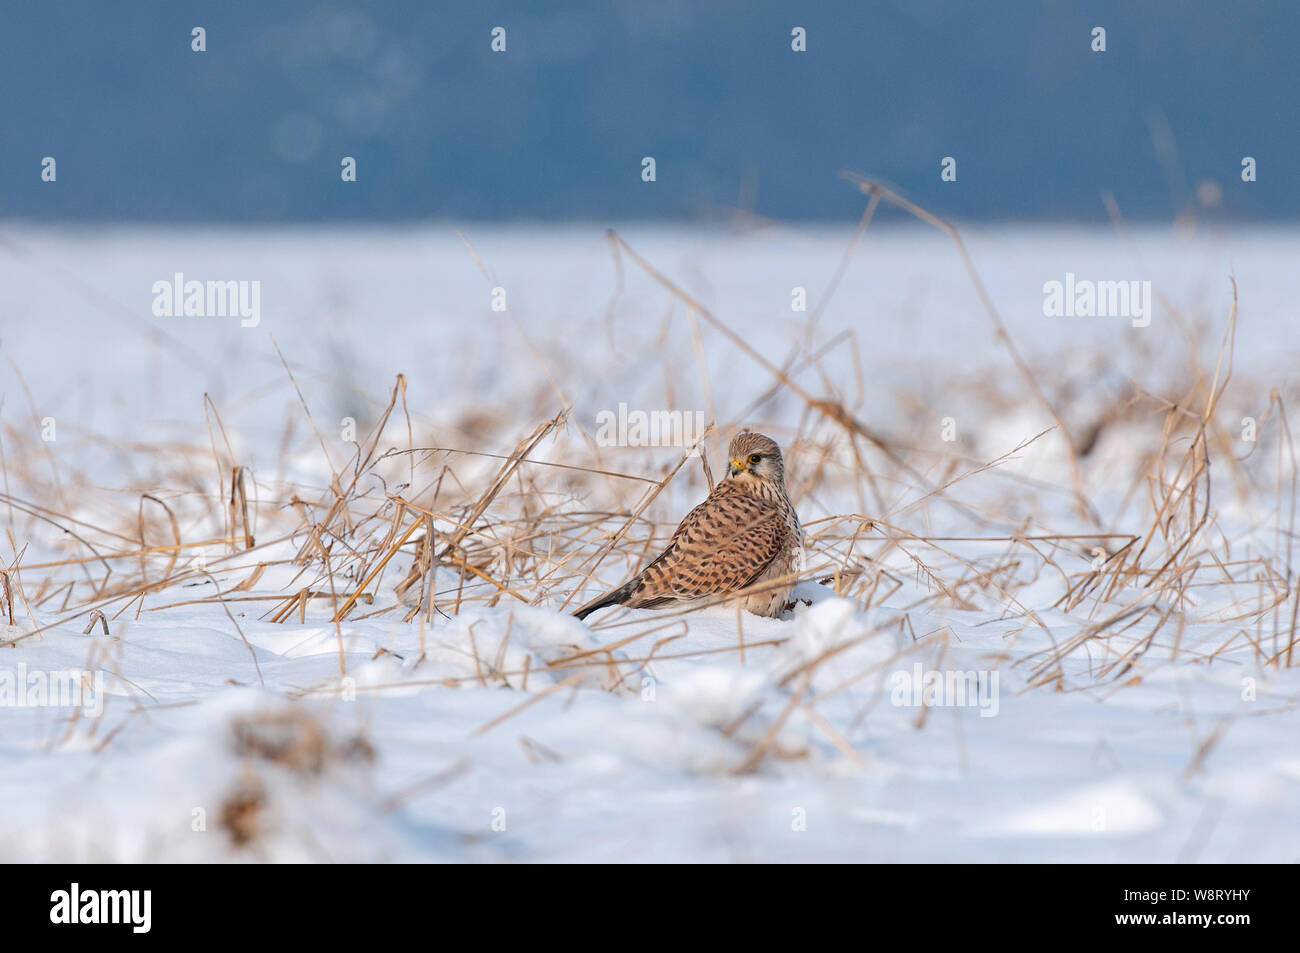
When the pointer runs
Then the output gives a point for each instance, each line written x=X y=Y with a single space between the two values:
x=513 y=732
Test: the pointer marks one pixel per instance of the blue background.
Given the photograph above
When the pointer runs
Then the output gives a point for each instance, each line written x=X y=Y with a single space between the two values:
x=555 y=128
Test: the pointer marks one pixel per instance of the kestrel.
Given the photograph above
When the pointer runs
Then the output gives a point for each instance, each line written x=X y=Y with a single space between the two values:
x=746 y=532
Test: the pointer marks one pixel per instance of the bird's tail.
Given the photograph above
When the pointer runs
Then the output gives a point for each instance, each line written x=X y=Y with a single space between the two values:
x=614 y=597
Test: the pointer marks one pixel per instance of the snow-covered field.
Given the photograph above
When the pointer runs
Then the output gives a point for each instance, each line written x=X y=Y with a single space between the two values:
x=1110 y=616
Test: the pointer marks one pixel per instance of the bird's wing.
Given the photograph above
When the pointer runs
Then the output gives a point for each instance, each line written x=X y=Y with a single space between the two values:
x=722 y=545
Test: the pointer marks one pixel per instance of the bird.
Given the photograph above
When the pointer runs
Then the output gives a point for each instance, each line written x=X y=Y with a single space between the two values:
x=745 y=532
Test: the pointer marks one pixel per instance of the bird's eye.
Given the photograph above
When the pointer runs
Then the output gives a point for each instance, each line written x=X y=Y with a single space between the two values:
x=755 y=457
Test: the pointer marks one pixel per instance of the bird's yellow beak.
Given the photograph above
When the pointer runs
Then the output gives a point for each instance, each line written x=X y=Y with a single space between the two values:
x=737 y=466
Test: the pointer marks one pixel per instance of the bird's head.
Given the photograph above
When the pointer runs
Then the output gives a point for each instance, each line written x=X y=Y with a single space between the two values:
x=753 y=456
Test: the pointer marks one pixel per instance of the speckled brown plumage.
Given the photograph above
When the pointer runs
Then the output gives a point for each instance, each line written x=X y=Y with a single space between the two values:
x=746 y=532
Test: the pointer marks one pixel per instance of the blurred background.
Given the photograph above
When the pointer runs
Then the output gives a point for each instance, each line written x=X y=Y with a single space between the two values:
x=254 y=128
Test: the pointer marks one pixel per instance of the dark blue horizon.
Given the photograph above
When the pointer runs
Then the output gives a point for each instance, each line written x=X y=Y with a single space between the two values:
x=553 y=129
